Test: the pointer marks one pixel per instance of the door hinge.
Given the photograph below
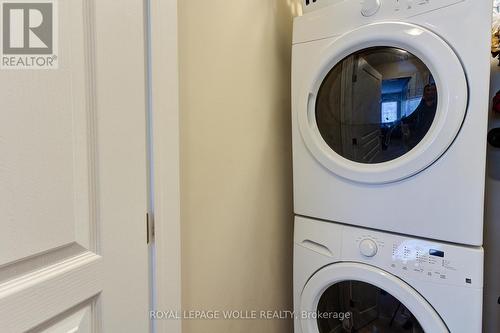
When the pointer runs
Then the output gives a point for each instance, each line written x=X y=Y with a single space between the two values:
x=150 y=228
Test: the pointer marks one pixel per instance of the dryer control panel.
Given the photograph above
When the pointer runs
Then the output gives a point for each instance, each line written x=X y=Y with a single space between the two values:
x=413 y=258
x=328 y=18
x=373 y=5
x=413 y=7
x=409 y=4
x=310 y=5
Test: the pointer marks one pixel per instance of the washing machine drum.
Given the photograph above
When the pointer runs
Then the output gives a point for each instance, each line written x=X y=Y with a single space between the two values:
x=350 y=297
x=388 y=110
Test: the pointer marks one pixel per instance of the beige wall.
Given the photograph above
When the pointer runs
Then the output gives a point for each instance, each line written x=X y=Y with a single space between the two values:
x=236 y=175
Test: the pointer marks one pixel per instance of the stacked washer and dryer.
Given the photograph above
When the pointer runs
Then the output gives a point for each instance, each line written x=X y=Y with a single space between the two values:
x=390 y=113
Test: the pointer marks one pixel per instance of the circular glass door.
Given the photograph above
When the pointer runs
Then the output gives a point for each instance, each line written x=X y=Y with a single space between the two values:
x=382 y=102
x=376 y=105
x=355 y=297
x=355 y=306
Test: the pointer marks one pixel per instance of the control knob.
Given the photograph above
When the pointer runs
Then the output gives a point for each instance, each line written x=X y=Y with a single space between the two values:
x=368 y=247
x=369 y=7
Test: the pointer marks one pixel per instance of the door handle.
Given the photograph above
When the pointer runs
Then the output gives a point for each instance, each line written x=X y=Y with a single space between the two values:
x=317 y=247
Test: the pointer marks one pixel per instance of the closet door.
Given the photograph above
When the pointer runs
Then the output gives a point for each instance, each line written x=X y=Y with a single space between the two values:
x=73 y=175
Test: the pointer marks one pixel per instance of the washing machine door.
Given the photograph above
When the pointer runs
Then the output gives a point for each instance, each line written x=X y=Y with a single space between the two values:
x=385 y=102
x=354 y=297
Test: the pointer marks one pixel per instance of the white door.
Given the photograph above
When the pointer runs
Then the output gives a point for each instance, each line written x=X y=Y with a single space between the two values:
x=359 y=104
x=366 y=96
x=73 y=172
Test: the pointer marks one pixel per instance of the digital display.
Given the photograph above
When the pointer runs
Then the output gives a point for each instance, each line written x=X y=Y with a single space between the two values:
x=436 y=253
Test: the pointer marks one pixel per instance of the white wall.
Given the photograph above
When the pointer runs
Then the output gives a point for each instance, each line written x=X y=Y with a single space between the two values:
x=236 y=170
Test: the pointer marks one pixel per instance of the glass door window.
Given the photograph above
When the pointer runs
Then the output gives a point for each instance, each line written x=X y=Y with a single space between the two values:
x=376 y=105
x=354 y=306
x=389 y=112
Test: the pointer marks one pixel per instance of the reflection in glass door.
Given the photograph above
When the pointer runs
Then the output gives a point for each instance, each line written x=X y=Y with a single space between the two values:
x=376 y=105
x=354 y=306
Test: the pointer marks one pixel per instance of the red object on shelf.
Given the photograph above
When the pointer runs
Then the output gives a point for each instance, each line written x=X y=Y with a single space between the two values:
x=496 y=103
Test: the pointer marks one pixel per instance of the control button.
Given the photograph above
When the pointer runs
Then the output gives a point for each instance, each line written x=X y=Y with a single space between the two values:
x=369 y=7
x=368 y=248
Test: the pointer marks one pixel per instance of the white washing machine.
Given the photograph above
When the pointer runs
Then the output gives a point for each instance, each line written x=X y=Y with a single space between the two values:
x=390 y=106
x=349 y=279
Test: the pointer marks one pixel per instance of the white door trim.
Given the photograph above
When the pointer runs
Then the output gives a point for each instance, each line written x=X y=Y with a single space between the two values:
x=166 y=177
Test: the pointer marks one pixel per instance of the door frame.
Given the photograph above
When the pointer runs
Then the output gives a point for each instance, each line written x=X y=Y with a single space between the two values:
x=165 y=163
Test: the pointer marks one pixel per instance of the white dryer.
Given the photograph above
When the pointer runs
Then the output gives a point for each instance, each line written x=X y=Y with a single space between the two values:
x=390 y=105
x=349 y=279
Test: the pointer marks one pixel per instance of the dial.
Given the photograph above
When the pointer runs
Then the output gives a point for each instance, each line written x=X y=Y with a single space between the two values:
x=369 y=7
x=368 y=247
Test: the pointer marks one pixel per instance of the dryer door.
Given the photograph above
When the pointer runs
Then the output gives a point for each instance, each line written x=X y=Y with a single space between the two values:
x=387 y=101
x=352 y=297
